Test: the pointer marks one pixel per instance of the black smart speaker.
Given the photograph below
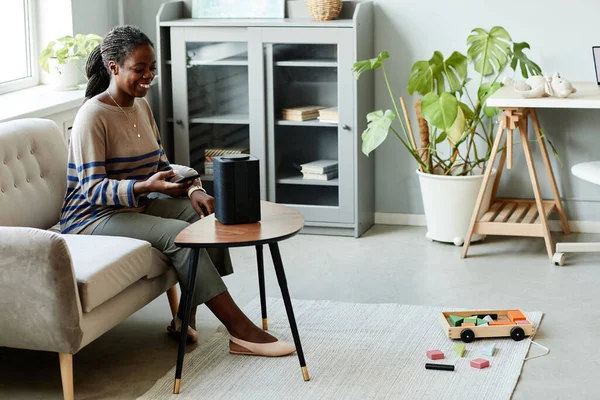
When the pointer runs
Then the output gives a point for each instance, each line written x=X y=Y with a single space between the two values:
x=237 y=189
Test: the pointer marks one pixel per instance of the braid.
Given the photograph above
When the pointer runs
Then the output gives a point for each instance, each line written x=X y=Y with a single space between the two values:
x=117 y=45
x=98 y=76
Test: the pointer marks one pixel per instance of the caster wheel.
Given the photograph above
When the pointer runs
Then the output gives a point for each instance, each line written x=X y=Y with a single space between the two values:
x=428 y=237
x=517 y=333
x=458 y=241
x=467 y=335
x=558 y=259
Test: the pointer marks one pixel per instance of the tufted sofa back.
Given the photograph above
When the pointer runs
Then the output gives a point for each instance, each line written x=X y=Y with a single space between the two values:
x=33 y=173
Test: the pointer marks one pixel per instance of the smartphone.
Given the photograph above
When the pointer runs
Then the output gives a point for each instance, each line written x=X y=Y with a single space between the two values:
x=187 y=178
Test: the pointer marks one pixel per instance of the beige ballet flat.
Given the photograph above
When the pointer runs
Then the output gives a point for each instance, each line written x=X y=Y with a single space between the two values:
x=274 y=349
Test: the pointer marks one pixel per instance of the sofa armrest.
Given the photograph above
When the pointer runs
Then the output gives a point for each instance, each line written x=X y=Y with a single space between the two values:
x=39 y=301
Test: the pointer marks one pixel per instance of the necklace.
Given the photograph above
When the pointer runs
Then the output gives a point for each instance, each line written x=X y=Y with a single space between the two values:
x=134 y=124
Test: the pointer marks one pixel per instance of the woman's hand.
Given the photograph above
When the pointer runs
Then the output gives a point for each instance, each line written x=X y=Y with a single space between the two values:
x=203 y=203
x=157 y=183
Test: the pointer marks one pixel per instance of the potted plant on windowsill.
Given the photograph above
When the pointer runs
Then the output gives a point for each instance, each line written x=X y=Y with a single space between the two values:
x=455 y=128
x=62 y=58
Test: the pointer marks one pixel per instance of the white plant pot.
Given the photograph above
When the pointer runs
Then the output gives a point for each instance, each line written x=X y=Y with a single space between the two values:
x=63 y=76
x=449 y=202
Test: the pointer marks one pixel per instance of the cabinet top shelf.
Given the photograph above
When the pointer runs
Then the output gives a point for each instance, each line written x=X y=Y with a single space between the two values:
x=233 y=119
x=260 y=22
x=332 y=63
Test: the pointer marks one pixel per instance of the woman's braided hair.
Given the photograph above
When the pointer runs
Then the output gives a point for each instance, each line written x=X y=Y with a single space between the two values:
x=117 y=45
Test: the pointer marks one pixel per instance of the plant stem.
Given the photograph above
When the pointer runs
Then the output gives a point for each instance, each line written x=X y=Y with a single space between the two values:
x=470 y=100
x=387 y=83
x=414 y=153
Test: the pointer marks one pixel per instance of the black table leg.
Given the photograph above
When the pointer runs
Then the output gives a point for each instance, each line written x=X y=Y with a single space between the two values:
x=288 y=305
x=261 y=285
x=188 y=296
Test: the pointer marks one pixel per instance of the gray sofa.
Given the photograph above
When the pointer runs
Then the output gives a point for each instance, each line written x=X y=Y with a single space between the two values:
x=60 y=292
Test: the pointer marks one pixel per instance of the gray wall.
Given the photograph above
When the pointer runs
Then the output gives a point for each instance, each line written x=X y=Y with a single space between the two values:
x=143 y=17
x=560 y=35
x=96 y=16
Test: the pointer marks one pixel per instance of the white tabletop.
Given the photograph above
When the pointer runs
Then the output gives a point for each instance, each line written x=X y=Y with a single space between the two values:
x=587 y=96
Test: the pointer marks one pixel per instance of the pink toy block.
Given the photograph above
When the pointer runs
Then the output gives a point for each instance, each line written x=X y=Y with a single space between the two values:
x=435 y=354
x=522 y=322
x=480 y=363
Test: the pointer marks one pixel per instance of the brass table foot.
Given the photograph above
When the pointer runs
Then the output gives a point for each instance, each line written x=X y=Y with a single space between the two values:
x=305 y=374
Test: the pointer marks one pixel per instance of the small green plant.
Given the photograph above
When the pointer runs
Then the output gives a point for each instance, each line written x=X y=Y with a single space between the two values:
x=448 y=113
x=68 y=49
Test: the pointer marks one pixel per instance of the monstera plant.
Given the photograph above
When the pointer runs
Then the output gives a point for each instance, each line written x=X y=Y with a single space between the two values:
x=455 y=127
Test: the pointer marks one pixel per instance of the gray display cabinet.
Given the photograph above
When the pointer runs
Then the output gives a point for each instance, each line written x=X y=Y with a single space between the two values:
x=224 y=82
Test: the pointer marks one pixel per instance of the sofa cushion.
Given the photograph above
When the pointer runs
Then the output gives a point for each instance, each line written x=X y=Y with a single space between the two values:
x=106 y=265
x=33 y=170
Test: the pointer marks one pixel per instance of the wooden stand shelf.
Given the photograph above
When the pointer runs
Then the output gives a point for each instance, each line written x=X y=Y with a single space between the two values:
x=515 y=217
x=507 y=216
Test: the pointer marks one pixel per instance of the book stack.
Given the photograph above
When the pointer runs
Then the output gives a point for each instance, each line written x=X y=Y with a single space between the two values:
x=304 y=113
x=329 y=115
x=322 y=170
x=215 y=152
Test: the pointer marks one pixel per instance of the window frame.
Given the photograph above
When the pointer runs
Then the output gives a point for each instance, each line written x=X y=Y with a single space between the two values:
x=32 y=53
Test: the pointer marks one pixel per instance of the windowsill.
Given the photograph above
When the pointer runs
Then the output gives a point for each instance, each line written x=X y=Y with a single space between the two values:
x=39 y=102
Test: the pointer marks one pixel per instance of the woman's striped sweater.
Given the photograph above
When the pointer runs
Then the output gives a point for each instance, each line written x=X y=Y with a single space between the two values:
x=106 y=157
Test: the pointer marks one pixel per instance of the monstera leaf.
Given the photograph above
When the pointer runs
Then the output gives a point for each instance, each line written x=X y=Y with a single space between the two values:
x=528 y=67
x=440 y=111
x=367 y=65
x=457 y=129
x=432 y=76
x=378 y=126
x=489 y=51
x=467 y=112
x=485 y=91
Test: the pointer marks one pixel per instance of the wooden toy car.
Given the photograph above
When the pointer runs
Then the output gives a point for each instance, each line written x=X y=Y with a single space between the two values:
x=468 y=325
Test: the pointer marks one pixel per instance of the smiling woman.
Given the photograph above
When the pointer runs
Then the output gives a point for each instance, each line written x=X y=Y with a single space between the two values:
x=120 y=182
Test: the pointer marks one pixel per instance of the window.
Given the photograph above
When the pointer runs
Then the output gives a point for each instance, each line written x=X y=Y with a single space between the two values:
x=18 y=68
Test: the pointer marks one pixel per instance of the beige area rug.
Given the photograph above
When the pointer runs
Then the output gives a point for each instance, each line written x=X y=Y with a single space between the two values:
x=352 y=351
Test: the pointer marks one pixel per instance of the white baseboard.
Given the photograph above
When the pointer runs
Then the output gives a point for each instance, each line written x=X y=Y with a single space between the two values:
x=419 y=220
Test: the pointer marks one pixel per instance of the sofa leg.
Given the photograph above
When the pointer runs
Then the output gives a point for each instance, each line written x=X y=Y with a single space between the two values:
x=173 y=299
x=66 y=374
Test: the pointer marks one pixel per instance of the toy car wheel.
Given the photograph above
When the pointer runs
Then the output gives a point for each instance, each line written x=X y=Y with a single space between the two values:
x=517 y=333
x=467 y=335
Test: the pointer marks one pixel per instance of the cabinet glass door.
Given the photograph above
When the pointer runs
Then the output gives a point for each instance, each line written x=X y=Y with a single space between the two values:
x=210 y=96
x=309 y=109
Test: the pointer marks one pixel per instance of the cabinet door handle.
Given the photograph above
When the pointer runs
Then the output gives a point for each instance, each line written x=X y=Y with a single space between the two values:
x=345 y=127
x=179 y=122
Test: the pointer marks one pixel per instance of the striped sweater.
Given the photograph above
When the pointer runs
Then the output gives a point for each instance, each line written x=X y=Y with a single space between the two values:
x=106 y=157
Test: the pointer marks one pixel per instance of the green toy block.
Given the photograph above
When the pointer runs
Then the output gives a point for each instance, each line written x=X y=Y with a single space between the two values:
x=481 y=322
x=459 y=349
x=455 y=320
x=488 y=318
x=471 y=319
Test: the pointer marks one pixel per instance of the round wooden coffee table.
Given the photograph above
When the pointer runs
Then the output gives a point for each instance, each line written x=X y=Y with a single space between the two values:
x=277 y=223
